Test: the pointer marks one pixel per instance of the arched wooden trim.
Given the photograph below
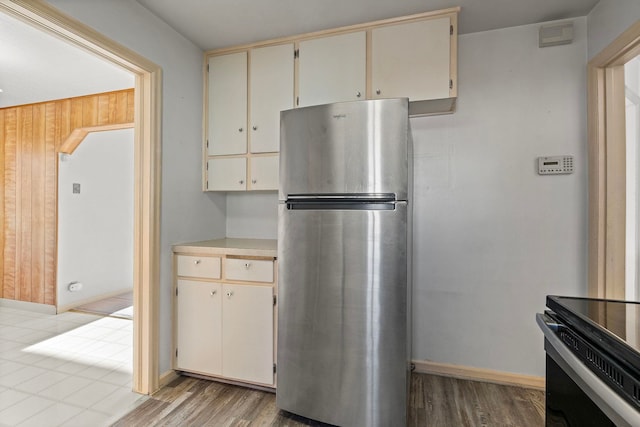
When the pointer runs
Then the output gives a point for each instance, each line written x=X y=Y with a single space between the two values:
x=607 y=169
x=79 y=134
x=147 y=171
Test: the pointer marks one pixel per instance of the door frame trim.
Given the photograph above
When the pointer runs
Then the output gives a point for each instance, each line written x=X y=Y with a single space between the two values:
x=147 y=171
x=607 y=167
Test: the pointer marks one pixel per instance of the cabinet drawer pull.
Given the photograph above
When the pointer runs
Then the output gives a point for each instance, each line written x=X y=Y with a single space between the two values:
x=247 y=265
x=240 y=129
x=378 y=92
x=255 y=128
x=229 y=294
x=213 y=293
x=196 y=262
x=358 y=94
x=254 y=181
x=241 y=181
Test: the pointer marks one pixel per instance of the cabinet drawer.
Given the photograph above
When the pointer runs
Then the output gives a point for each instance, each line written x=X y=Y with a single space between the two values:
x=249 y=270
x=198 y=266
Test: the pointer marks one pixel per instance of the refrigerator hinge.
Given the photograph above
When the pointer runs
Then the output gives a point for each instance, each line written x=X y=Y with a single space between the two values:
x=450 y=30
x=450 y=84
x=296 y=53
x=274 y=368
x=274 y=300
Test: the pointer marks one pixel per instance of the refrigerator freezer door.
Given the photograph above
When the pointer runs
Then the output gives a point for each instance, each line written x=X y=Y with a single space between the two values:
x=342 y=315
x=345 y=148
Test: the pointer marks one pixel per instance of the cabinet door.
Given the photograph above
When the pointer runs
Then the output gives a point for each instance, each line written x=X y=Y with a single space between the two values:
x=411 y=60
x=227 y=119
x=332 y=69
x=264 y=173
x=247 y=341
x=199 y=327
x=227 y=174
x=271 y=91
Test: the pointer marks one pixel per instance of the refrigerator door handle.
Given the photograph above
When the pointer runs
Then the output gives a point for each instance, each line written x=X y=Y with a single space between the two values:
x=365 y=197
x=337 y=204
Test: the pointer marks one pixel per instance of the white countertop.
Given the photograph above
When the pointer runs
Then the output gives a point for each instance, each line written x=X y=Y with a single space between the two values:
x=247 y=247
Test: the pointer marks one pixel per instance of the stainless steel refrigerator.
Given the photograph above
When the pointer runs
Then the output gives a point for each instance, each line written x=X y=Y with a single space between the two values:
x=344 y=226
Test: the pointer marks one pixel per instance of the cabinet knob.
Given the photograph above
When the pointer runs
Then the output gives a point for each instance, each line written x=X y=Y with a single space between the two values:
x=358 y=94
x=247 y=265
x=255 y=127
x=240 y=129
x=253 y=181
x=241 y=181
x=213 y=293
x=196 y=262
x=229 y=294
x=378 y=91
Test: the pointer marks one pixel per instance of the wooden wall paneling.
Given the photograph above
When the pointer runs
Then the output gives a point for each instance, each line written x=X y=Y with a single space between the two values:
x=2 y=114
x=103 y=110
x=32 y=137
x=38 y=203
x=89 y=111
x=75 y=116
x=50 y=202
x=10 y=203
x=131 y=106
x=26 y=190
x=119 y=109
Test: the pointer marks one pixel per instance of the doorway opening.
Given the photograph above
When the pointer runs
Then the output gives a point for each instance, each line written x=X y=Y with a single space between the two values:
x=147 y=173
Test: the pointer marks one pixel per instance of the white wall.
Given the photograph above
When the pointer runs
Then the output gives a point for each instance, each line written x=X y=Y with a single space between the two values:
x=493 y=238
x=95 y=227
x=252 y=215
x=609 y=19
x=187 y=213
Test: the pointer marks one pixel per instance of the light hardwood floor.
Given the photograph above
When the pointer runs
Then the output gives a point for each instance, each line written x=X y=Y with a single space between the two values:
x=435 y=401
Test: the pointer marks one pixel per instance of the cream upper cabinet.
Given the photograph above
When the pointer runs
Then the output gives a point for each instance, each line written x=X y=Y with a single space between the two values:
x=270 y=91
x=227 y=174
x=332 y=69
x=264 y=173
x=227 y=112
x=412 y=60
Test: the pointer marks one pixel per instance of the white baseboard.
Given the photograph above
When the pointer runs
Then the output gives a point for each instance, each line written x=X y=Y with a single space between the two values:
x=479 y=374
x=71 y=306
x=28 y=306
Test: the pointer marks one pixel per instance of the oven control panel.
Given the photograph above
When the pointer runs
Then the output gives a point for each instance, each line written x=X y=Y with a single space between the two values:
x=555 y=165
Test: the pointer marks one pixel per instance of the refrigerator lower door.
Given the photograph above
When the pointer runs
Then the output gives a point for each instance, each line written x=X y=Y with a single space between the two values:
x=342 y=315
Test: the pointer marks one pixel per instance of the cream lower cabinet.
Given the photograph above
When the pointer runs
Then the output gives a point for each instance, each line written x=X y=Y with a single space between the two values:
x=199 y=327
x=224 y=325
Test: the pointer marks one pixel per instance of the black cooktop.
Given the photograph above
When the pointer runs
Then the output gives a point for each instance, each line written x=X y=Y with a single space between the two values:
x=612 y=325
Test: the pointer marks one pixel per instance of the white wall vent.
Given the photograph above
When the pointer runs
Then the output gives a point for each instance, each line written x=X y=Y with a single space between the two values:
x=555 y=34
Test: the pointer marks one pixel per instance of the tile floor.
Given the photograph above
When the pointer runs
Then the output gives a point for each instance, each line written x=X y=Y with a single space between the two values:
x=71 y=369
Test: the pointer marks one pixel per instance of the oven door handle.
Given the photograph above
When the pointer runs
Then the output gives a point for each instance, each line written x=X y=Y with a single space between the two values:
x=614 y=406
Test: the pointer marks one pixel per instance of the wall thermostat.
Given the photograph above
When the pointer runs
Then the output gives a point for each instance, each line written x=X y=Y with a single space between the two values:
x=555 y=165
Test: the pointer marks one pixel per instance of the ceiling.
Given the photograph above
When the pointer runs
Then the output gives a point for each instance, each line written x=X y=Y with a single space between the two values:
x=213 y=24
x=36 y=67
